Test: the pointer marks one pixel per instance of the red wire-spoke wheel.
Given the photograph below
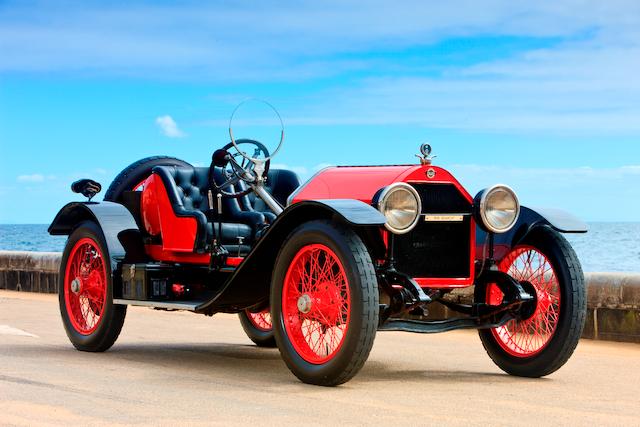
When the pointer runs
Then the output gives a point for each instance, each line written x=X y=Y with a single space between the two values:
x=541 y=338
x=315 y=303
x=85 y=283
x=258 y=327
x=325 y=303
x=261 y=320
x=525 y=338
x=90 y=318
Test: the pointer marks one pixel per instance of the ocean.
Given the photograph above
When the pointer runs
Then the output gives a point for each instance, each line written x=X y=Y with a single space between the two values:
x=609 y=246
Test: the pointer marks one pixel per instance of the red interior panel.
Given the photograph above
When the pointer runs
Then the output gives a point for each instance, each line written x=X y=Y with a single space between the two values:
x=178 y=233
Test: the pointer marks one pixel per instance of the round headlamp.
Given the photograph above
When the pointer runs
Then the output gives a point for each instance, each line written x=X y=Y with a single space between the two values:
x=498 y=208
x=400 y=204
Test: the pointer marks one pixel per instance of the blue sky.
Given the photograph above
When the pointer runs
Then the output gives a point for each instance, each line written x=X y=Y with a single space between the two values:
x=544 y=96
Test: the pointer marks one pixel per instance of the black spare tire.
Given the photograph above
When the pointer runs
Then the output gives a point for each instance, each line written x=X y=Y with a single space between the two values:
x=135 y=173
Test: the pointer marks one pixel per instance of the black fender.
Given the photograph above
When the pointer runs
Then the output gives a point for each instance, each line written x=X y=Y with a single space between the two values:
x=118 y=226
x=249 y=285
x=528 y=220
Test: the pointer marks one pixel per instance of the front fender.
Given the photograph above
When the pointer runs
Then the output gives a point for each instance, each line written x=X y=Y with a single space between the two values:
x=118 y=226
x=250 y=284
x=529 y=219
x=557 y=219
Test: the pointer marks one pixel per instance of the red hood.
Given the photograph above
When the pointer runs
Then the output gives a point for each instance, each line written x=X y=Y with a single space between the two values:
x=362 y=182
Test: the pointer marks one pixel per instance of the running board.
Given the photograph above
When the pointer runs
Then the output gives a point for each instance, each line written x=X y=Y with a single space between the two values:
x=166 y=305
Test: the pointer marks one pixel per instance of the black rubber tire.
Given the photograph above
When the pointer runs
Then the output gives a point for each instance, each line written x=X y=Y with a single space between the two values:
x=134 y=173
x=573 y=311
x=363 y=287
x=259 y=337
x=113 y=316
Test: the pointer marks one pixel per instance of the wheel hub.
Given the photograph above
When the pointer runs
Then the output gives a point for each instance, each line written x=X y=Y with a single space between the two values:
x=528 y=309
x=304 y=304
x=75 y=286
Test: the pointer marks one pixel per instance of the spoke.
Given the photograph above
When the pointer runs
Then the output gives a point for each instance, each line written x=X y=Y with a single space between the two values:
x=317 y=272
x=86 y=265
x=527 y=337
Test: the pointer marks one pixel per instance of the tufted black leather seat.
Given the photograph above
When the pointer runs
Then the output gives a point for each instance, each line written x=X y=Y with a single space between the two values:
x=187 y=188
x=280 y=183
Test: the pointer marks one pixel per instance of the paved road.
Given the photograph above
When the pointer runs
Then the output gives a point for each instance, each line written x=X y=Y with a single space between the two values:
x=180 y=368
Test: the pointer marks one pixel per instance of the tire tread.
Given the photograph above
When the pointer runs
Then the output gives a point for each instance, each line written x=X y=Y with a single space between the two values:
x=115 y=189
x=552 y=362
x=366 y=276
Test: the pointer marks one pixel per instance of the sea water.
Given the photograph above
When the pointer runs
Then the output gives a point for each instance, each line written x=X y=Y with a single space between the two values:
x=608 y=246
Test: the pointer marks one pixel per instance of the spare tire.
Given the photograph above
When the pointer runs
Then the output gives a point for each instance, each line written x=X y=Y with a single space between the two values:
x=135 y=173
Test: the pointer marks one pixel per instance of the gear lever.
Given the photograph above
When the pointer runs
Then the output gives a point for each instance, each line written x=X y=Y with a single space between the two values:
x=218 y=253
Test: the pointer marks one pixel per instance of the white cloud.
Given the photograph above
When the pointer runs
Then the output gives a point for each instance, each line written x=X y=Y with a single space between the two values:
x=169 y=127
x=585 y=81
x=596 y=194
x=212 y=40
x=36 y=177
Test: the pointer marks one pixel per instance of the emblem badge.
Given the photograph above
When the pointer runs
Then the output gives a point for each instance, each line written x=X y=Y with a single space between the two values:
x=431 y=173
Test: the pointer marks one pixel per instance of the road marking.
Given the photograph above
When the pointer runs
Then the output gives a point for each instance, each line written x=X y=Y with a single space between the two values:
x=8 y=330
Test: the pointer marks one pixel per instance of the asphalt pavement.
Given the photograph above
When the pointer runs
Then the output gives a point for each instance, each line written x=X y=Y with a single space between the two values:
x=184 y=369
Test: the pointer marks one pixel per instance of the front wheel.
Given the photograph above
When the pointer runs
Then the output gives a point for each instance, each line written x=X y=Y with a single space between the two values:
x=545 y=264
x=90 y=318
x=324 y=297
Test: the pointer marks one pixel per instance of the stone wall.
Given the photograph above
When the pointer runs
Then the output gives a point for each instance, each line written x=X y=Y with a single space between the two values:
x=613 y=299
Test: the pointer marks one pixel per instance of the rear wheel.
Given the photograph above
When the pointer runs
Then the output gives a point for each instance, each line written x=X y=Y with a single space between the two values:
x=90 y=318
x=546 y=264
x=132 y=177
x=325 y=303
x=258 y=327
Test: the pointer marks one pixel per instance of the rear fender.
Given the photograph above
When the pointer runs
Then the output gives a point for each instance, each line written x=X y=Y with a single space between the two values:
x=529 y=219
x=250 y=284
x=120 y=230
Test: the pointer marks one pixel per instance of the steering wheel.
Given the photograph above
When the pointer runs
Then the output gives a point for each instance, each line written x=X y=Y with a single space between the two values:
x=235 y=170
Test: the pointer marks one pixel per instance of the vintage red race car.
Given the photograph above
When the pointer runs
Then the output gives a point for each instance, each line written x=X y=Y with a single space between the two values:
x=317 y=269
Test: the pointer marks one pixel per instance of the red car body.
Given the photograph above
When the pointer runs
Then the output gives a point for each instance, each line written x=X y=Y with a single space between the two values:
x=318 y=268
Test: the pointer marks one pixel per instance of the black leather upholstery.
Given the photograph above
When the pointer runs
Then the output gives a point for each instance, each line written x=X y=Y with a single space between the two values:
x=280 y=183
x=242 y=221
x=86 y=187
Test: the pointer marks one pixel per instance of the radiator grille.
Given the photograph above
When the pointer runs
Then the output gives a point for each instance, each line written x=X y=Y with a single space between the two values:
x=437 y=249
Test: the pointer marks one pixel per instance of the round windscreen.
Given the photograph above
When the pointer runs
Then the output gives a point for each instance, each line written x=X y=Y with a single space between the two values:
x=257 y=120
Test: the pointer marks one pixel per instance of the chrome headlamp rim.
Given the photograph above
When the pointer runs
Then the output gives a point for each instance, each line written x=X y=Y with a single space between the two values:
x=484 y=194
x=382 y=199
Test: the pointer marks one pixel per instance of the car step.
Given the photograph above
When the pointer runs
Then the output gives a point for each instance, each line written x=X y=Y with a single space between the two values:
x=166 y=305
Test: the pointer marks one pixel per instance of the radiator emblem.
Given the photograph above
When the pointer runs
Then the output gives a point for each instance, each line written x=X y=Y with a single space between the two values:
x=444 y=218
x=431 y=173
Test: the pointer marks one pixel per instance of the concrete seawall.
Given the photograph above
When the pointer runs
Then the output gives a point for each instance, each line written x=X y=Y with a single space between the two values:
x=29 y=271
x=613 y=299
